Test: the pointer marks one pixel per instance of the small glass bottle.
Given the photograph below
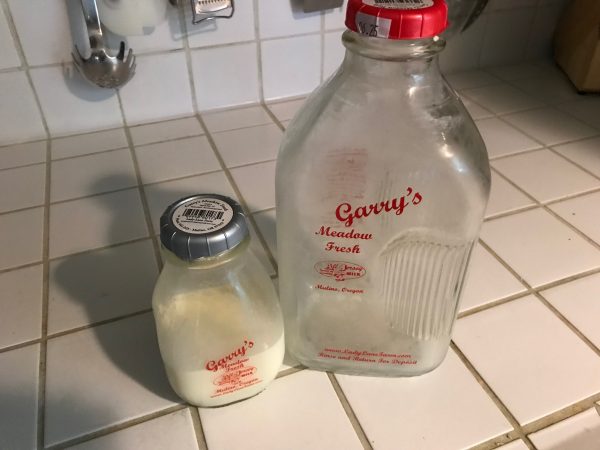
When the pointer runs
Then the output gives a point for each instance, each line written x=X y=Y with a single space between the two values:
x=218 y=320
x=382 y=182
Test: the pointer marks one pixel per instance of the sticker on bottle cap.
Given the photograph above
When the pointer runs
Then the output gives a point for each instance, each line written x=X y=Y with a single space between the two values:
x=373 y=26
x=202 y=215
x=399 y=4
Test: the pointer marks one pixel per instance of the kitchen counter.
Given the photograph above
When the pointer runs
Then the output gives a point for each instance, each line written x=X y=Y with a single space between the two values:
x=79 y=363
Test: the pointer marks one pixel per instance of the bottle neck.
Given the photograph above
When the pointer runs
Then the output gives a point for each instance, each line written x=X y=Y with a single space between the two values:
x=382 y=58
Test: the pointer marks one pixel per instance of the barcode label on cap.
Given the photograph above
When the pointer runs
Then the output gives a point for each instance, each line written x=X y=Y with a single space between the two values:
x=399 y=4
x=202 y=215
x=207 y=214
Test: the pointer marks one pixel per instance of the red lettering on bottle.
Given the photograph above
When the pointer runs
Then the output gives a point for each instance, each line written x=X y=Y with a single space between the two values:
x=346 y=214
x=221 y=363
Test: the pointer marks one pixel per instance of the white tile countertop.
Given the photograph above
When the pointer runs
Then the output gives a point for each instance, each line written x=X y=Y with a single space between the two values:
x=79 y=362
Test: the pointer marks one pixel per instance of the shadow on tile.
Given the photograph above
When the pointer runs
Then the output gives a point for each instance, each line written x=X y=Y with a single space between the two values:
x=100 y=285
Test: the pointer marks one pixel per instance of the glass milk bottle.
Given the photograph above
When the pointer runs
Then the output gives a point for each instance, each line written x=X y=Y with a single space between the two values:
x=382 y=182
x=218 y=320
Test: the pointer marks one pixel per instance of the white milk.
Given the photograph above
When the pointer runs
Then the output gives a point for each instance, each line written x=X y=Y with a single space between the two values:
x=248 y=376
x=214 y=351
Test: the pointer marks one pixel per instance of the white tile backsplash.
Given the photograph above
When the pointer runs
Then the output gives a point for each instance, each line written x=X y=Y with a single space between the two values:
x=464 y=50
x=160 y=88
x=333 y=53
x=165 y=36
x=19 y=114
x=269 y=50
x=289 y=68
x=10 y=57
x=218 y=81
x=501 y=46
x=276 y=19
x=71 y=105
x=44 y=30
x=335 y=18
x=542 y=31
x=240 y=28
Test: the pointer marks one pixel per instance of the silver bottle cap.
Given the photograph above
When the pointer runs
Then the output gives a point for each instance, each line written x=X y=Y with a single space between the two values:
x=202 y=225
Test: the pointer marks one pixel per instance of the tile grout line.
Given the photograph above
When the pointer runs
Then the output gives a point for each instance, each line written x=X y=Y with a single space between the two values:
x=188 y=55
x=492 y=395
x=259 y=67
x=567 y=322
x=503 y=117
x=198 y=428
x=322 y=52
x=150 y=53
x=562 y=414
x=139 y=186
x=197 y=423
x=556 y=152
x=118 y=427
x=535 y=292
x=527 y=291
x=41 y=401
x=273 y=117
x=297 y=368
x=238 y=193
x=543 y=145
x=291 y=371
x=24 y=166
x=356 y=425
x=511 y=212
x=98 y=323
x=577 y=231
x=20 y=345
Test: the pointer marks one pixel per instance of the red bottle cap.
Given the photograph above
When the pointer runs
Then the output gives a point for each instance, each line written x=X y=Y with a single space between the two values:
x=397 y=19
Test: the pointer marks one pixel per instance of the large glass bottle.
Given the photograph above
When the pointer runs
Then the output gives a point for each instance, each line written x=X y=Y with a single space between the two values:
x=382 y=183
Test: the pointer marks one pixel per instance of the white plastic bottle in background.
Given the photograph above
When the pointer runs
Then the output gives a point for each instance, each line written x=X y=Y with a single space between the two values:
x=382 y=182
x=218 y=320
